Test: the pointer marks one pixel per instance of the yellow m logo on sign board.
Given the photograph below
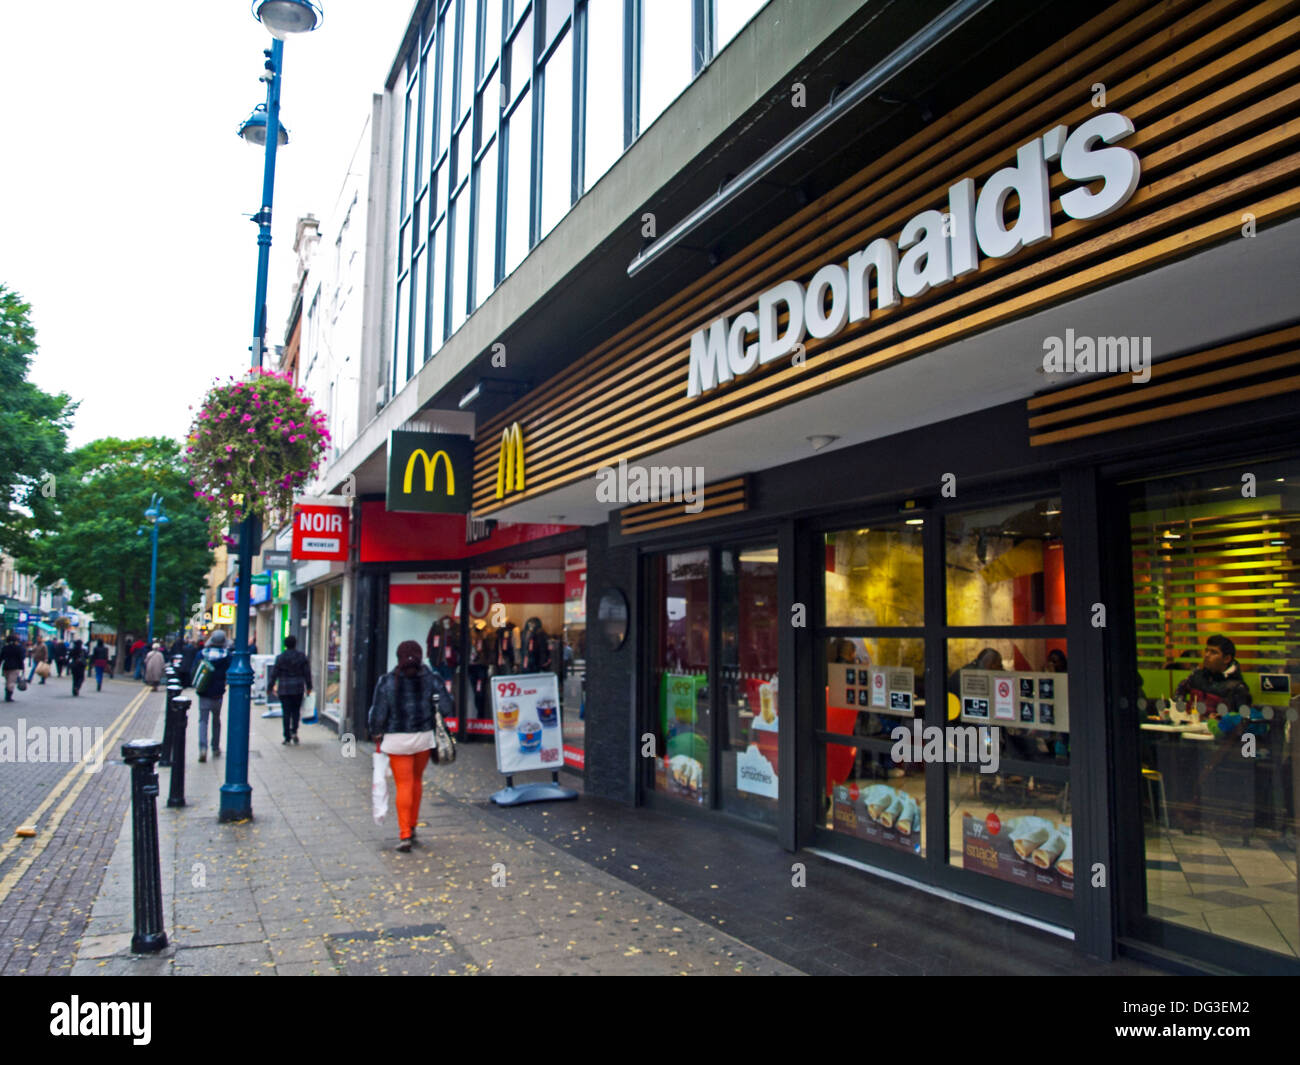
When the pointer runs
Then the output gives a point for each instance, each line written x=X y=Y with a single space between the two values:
x=510 y=463
x=430 y=471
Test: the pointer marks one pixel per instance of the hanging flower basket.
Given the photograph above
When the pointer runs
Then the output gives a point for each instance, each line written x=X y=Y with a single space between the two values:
x=253 y=443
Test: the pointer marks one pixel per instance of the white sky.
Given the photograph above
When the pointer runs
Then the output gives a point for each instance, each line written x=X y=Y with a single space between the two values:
x=124 y=190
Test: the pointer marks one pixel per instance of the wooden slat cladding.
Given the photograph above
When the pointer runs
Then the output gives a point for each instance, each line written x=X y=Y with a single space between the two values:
x=1213 y=90
x=725 y=497
x=1219 y=377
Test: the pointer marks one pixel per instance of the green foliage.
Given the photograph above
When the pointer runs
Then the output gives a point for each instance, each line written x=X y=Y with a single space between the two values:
x=93 y=542
x=252 y=443
x=33 y=431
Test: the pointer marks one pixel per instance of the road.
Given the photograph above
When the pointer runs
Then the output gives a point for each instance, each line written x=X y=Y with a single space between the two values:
x=76 y=796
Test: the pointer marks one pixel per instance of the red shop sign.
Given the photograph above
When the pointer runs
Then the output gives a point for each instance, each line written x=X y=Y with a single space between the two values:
x=320 y=533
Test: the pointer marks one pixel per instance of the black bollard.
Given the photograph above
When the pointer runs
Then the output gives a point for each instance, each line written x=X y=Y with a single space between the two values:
x=180 y=712
x=173 y=689
x=142 y=757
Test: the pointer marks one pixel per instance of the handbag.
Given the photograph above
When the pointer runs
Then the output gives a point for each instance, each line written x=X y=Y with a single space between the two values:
x=42 y=669
x=379 y=786
x=22 y=683
x=444 y=751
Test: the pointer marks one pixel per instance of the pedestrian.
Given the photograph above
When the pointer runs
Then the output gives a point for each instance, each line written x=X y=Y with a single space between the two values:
x=77 y=665
x=292 y=672
x=218 y=654
x=252 y=647
x=40 y=656
x=60 y=651
x=153 y=666
x=401 y=721
x=11 y=661
x=187 y=662
x=99 y=663
x=141 y=653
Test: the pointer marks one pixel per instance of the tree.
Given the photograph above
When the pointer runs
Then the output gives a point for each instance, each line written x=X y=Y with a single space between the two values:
x=33 y=431
x=94 y=543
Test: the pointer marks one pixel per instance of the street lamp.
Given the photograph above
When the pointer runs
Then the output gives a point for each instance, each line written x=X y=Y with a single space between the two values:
x=155 y=516
x=261 y=129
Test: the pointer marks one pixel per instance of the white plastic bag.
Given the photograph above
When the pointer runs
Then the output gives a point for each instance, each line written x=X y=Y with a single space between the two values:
x=379 y=787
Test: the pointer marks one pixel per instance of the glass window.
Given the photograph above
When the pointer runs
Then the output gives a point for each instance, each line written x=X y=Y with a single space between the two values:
x=438 y=288
x=557 y=134
x=875 y=576
x=421 y=321
x=442 y=182
x=748 y=683
x=604 y=118
x=519 y=147
x=1005 y=565
x=573 y=659
x=400 y=340
x=665 y=68
x=412 y=140
x=468 y=56
x=521 y=58
x=681 y=676
x=556 y=12
x=447 y=52
x=874 y=686
x=491 y=33
x=489 y=110
x=460 y=259
x=729 y=17
x=429 y=126
x=485 y=250
x=464 y=153
x=1213 y=706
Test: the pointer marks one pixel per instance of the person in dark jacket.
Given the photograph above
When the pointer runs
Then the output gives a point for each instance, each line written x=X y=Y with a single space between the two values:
x=60 y=653
x=401 y=721
x=292 y=672
x=212 y=695
x=11 y=661
x=99 y=662
x=1217 y=687
x=187 y=663
x=77 y=665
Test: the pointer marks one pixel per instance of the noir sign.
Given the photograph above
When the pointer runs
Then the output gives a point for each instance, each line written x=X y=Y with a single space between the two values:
x=320 y=533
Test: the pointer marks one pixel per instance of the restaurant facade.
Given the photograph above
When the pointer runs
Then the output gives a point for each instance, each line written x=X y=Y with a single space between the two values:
x=875 y=481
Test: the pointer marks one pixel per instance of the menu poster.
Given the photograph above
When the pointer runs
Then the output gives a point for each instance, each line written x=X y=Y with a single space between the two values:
x=1026 y=700
x=526 y=712
x=879 y=813
x=1036 y=852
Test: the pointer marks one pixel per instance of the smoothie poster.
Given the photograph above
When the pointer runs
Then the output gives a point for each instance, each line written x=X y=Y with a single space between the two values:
x=526 y=714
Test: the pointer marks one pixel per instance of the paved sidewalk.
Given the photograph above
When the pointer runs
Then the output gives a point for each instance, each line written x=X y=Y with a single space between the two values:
x=314 y=887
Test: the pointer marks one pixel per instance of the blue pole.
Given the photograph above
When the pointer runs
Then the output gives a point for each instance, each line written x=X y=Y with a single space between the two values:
x=236 y=792
x=153 y=581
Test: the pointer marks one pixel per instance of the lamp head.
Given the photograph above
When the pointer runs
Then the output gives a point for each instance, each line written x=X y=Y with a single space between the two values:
x=283 y=17
x=151 y=513
x=163 y=519
x=253 y=129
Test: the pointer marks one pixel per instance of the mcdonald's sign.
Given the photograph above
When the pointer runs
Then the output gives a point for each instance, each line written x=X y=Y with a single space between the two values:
x=510 y=463
x=430 y=472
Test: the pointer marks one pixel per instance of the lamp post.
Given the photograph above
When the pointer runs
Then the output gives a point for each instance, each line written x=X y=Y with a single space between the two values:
x=261 y=128
x=155 y=516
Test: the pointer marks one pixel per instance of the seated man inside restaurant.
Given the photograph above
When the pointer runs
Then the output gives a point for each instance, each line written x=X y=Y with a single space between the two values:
x=1217 y=687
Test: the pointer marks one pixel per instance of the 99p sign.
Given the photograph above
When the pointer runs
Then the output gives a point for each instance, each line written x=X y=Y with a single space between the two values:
x=526 y=720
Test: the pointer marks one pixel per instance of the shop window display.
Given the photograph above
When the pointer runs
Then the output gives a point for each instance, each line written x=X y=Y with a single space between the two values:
x=681 y=676
x=1213 y=706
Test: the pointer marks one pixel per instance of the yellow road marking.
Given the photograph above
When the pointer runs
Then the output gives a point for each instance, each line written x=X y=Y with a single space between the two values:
x=114 y=733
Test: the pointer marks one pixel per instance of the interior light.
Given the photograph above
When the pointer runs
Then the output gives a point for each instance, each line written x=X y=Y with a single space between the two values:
x=915 y=521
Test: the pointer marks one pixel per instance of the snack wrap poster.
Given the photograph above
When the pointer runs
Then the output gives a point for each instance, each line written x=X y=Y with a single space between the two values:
x=526 y=719
x=988 y=847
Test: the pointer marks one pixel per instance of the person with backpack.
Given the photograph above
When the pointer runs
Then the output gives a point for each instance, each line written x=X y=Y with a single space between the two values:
x=99 y=662
x=77 y=665
x=292 y=672
x=210 y=684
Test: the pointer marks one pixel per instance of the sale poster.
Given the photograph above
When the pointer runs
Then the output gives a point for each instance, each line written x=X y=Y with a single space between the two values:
x=526 y=714
x=1037 y=852
x=680 y=771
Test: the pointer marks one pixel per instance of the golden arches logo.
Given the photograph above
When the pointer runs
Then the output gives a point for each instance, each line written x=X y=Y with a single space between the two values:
x=430 y=471
x=510 y=463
